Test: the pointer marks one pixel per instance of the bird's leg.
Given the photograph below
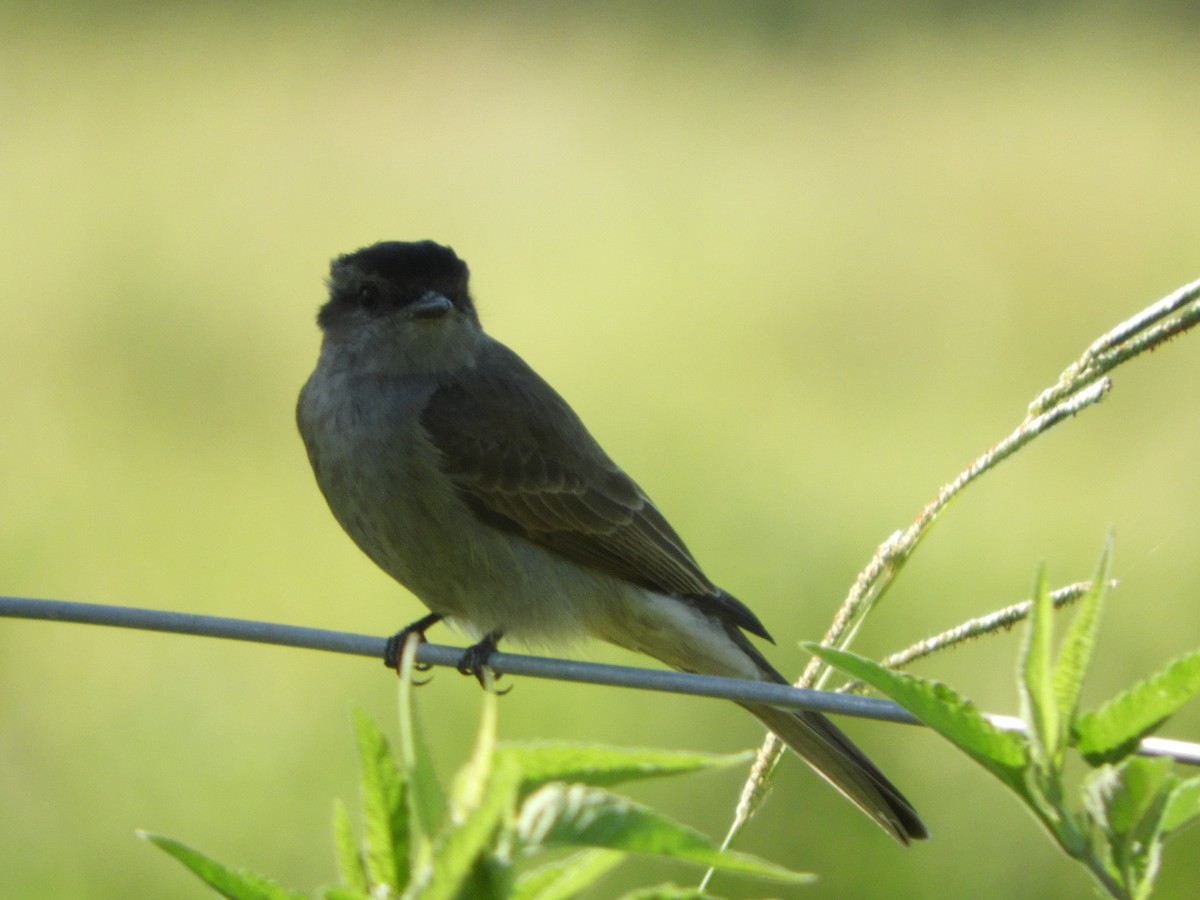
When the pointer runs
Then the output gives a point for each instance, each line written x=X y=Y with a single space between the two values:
x=395 y=644
x=475 y=658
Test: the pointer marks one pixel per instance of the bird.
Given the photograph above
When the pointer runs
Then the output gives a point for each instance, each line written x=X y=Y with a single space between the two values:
x=469 y=480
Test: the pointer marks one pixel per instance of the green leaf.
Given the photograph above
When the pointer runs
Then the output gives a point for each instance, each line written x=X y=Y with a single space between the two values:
x=601 y=766
x=937 y=705
x=1113 y=731
x=458 y=848
x=565 y=878
x=234 y=884
x=562 y=815
x=1177 y=803
x=667 y=892
x=1128 y=801
x=426 y=805
x=463 y=860
x=491 y=878
x=350 y=864
x=344 y=893
x=1077 y=646
x=472 y=781
x=1120 y=796
x=1039 y=707
x=1182 y=806
x=385 y=828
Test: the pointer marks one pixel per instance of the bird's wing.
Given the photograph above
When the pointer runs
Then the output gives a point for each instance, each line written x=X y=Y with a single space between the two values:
x=524 y=462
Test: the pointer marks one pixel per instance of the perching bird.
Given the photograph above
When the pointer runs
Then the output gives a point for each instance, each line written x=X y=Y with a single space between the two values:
x=469 y=480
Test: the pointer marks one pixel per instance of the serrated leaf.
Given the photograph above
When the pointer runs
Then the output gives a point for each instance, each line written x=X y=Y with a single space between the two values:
x=457 y=849
x=562 y=815
x=945 y=711
x=236 y=884
x=1077 y=645
x=349 y=862
x=1113 y=731
x=1035 y=681
x=565 y=878
x=384 y=807
x=601 y=766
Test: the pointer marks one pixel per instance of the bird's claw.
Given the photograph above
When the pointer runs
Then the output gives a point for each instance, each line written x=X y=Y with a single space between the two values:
x=474 y=661
x=395 y=644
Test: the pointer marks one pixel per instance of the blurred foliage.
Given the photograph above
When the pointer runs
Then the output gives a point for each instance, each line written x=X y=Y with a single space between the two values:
x=794 y=268
x=1114 y=820
x=501 y=830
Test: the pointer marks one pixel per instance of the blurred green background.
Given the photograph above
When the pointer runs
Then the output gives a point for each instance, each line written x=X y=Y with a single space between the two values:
x=795 y=266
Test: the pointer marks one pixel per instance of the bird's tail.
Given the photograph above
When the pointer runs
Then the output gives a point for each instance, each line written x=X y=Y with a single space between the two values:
x=692 y=641
x=835 y=758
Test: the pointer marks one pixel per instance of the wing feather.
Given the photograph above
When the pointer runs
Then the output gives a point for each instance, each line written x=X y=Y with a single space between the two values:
x=524 y=462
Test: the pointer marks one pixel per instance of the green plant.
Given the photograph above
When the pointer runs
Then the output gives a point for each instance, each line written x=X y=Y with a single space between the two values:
x=510 y=807
x=1126 y=805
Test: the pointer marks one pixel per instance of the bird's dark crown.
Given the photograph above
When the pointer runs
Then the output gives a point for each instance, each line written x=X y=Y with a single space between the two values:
x=392 y=274
x=422 y=263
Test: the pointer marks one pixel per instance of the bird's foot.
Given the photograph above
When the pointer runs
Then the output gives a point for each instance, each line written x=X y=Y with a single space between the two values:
x=474 y=661
x=395 y=644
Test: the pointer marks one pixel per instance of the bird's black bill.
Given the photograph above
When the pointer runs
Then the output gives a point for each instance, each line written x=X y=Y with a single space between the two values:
x=431 y=306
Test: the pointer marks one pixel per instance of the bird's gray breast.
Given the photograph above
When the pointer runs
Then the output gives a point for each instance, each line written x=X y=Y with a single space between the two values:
x=377 y=468
x=382 y=477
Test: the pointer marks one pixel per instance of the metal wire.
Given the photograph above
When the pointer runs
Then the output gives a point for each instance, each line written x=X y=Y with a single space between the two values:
x=737 y=689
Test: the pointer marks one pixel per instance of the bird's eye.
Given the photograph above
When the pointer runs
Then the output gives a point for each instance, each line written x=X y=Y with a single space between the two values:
x=368 y=297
